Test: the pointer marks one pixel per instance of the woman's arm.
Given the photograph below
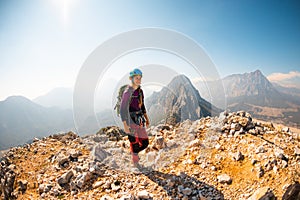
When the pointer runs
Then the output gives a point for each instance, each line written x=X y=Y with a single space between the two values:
x=147 y=120
x=124 y=110
x=144 y=111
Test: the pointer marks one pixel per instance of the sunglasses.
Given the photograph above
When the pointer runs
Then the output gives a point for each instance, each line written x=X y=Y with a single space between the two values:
x=138 y=78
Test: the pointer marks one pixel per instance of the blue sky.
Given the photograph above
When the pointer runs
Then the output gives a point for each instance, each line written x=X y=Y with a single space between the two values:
x=44 y=43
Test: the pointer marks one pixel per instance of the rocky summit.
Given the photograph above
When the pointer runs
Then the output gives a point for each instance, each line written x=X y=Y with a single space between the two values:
x=231 y=156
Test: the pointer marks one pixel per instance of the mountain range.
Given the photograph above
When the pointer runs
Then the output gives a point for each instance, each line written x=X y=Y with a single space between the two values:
x=58 y=97
x=22 y=119
x=254 y=93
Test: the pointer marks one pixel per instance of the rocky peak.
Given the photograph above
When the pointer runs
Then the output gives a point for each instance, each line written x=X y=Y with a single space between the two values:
x=179 y=101
x=180 y=80
x=247 y=84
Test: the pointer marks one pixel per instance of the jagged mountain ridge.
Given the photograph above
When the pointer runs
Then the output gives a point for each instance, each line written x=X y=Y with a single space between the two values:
x=256 y=94
x=253 y=88
x=179 y=101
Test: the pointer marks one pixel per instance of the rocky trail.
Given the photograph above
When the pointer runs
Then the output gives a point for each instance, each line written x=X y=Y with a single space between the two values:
x=231 y=156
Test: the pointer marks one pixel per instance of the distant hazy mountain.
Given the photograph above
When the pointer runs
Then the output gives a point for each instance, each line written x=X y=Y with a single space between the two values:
x=179 y=101
x=21 y=120
x=58 y=97
x=287 y=90
x=253 y=88
x=103 y=118
x=254 y=93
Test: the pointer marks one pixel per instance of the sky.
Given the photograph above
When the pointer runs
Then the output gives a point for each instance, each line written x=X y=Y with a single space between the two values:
x=45 y=43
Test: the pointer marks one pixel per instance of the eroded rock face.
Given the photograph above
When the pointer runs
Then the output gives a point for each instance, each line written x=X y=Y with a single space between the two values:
x=188 y=160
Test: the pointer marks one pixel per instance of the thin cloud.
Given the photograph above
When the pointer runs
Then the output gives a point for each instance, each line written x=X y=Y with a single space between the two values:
x=277 y=77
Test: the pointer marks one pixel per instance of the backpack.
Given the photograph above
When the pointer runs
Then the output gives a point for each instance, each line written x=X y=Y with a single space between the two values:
x=119 y=98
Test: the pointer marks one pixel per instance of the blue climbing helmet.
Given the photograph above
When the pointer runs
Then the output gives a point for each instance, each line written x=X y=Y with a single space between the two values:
x=135 y=72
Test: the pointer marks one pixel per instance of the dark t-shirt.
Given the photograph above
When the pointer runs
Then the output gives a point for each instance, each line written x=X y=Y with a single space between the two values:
x=134 y=104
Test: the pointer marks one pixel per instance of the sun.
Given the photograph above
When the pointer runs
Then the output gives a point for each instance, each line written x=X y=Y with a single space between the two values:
x=66 y=10
x=63 y=6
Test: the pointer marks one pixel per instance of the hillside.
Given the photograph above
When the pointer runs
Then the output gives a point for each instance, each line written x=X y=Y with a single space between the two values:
x=231 y=156
x=256 y=94
x=57 y=97
x=21 y=120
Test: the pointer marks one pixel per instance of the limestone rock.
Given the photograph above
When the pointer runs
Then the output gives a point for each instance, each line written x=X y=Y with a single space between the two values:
x=99 y=154
x=264 y=193
x=144 y=194
x=238 y=156
x=224 y=178
x=65 y=178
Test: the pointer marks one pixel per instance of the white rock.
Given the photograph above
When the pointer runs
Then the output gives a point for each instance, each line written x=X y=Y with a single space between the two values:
x=62 y=160
x=224 y=178
x=127 y=197
x=106 y=197
x=233 y=126
x=170 y=143
x=232 y=132
x=238 y=156
x=82 y=179
x=12 y=167
x=218 y=146
x=159 y=142
x=97 y=184
x=253 y=161
x=260 y=149
x=297 y=151
x=195 y=143
x=115 y=187
x=262 y=192
x=285 y=129
x=151 y=157
x=65 y=178
x=284 y=164
x=144 y=194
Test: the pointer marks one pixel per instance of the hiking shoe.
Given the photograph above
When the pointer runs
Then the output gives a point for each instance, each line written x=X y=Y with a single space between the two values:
x=137 y=165
x=135 y=169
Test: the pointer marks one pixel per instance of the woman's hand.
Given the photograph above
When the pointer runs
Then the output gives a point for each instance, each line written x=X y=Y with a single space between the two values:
x=126 y=129
x=147 y=123
x=147 y=120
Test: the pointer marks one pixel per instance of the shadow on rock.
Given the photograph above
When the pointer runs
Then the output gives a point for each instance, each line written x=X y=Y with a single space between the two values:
x=183 y=186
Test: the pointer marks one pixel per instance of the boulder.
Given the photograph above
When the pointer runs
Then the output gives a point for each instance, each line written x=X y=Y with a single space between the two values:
x=99 y=154
x=65 y=178
x=224 y=178
x=263 y=193
x=144 y=194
